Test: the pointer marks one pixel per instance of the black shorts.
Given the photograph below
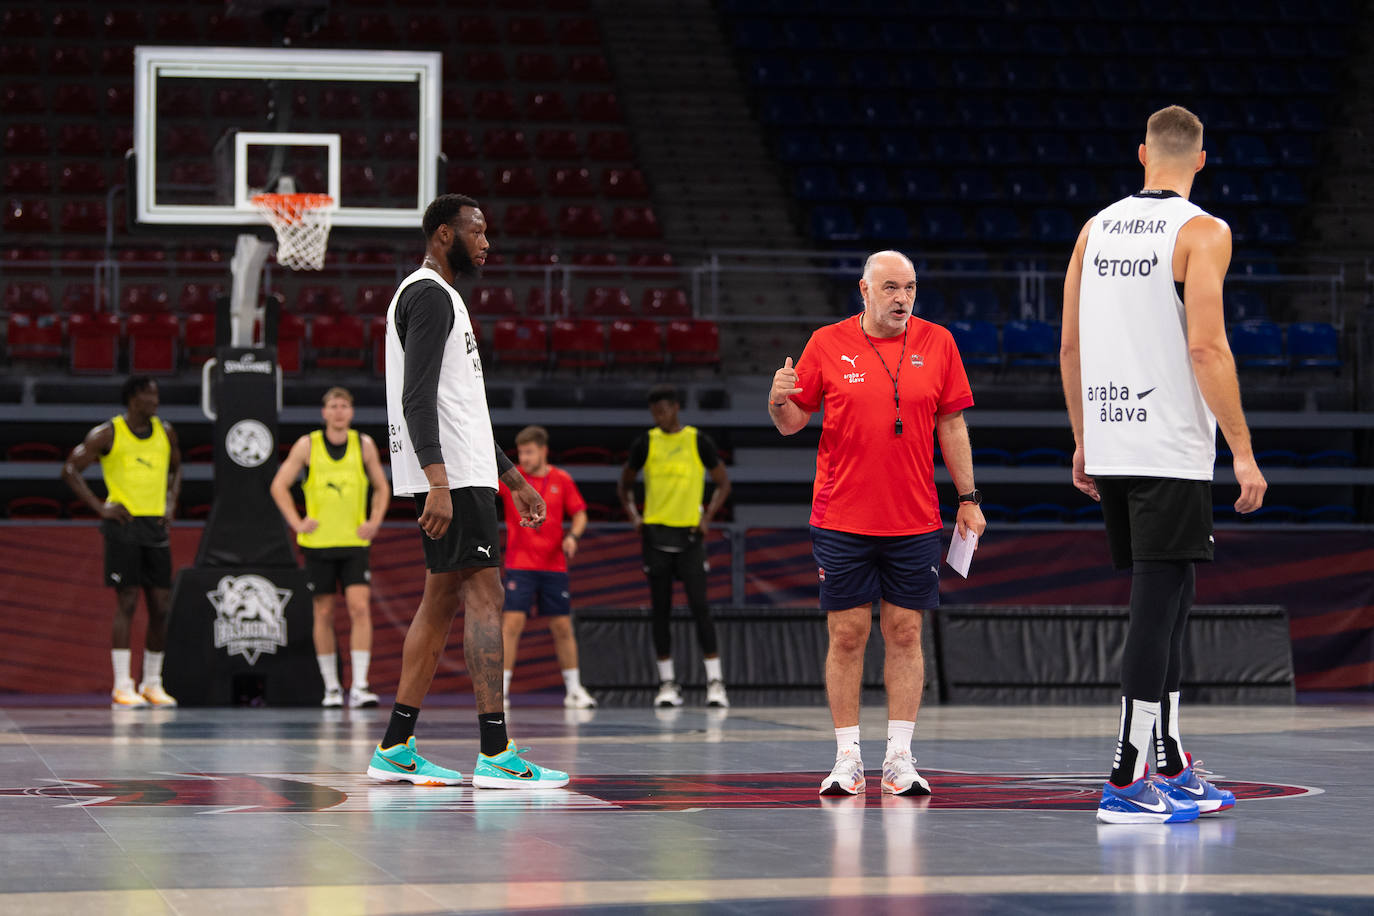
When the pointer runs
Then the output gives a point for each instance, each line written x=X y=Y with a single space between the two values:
x=1156 y=518
x=328 y=569
x=858 y=569
x=472 y=540
x=138 y=553
x=677 y=553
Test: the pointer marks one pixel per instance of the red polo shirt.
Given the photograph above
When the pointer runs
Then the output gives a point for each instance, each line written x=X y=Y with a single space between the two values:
x=868 y=479
x=541 y=548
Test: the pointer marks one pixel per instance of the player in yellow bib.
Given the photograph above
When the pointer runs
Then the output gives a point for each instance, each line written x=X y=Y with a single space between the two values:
x=335 y=534
x=141 y=463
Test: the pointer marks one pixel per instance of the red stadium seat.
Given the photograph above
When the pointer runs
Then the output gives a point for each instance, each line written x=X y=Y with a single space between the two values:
x=402 y=180
x=341 y=104
x=82 y=178
x=665 y=303
x=637 y=223
x=72 y=23
x=124 y=24
x=536 y=66
x=458 y=144
x=153 y=343
x=376 y=332
x=34 y=507
x=556 y=144
x=356 y=179
x=581 y=222
x=624 y=183
x=196 y=173
x=373 y=300
x=195 y=258
x=31 y=177
x=575 y=182
x=176 y=25
x=578 y=343
x=578 y=32
x=70 y=61
x=494 y=105
x=26 y=98
x=589 y=68
x=693 y=343
x=182 y=102
x=34 y=337
x=23 y=22
x=117 y=60
x=19 y=59
x=526 y=30
x=599 y=106
x=319 y=300
x=483 y=67
x=537 y=304
x=455 y=106
x=546 y=106
x=121 y=139
x=82 y=299
x=493 y=300
x=34 y=298
x=94 y=343
x=80 y=140
x=187 y=140
x=376 y=28
x=427 y=30
x=466 y=179
x=33 y=451
x=197 y=299
x=143 y=299
x=28 y=216
x=243 y=103
x=291 y=331
x=75 y=99
x=399 y=144
x=520 y=340
x=199 y=338
x=381 y=256
x=478 y=30
x=86 y=216
x=515 y=182
x=607 y=302
x=26 y=139
x=119 y=100
x=609 y=146
x=505 y=143
x=595 y=259
x=338 y=342
x=635 y=342
x=526 y=220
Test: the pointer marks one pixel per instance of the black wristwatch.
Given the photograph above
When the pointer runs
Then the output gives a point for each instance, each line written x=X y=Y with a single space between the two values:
x=974 y=496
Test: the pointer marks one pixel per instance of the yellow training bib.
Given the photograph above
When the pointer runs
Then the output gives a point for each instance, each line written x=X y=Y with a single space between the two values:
x=136 y=469
x=674 y=479
x=335 y=494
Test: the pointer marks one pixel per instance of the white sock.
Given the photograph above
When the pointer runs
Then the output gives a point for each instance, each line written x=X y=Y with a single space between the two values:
x=505 y=681
x=120 y=658
x=844 y=737
x=329 y=670
x=572 y=680
x=713 y=669
x=665 y=670
x=152 y=667
x=899 y=735
x=361 y=661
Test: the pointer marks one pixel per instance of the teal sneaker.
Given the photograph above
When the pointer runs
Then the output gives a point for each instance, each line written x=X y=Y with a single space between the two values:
x=400 y=763
x=508 y=770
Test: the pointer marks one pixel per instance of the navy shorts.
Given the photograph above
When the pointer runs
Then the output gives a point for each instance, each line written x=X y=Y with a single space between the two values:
x=523 y=586
x=858 y=569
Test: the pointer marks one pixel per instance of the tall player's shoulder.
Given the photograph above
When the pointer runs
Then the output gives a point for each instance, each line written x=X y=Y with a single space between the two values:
x=1204 y=231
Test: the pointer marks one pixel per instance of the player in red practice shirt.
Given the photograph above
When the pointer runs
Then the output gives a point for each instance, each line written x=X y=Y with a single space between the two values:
x=537 y=562
x=887 y=381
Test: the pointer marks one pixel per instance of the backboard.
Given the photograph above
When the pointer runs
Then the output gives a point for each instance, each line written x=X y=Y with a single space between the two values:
x=214 y=126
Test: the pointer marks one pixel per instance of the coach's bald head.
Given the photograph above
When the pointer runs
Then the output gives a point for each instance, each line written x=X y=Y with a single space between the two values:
x=888 y=288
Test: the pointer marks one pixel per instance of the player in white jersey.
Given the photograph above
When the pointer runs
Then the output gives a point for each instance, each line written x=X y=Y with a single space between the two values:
x=443 y=453
x=1148 y=376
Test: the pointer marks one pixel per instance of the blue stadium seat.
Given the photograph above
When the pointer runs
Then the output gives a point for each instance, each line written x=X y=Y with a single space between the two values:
x=1043 y=512
x=1075 y=114
x=869 y=72
x=942 y=224
x=1024 y=113
x=950 y=146
x=930 y=305
x=1052 y=149
x=1094 y=38
x=830 y=223
x=1272 y=227
x=785 y=109
x=1234 y=187
x=977 y=342
x=1317 y=78
x=886 y=224
x=1301 y=115
x=818 y=182
x=920 y=184
x=1277 y=458
x=1314 y=345
x=977 y=303
x=978 y=112
x=1248 y=151
x=803 y=34
x=1078 y=186
x=836 y=109
x=1032 y=344
x=851 y=146
x=1273 y=78
x=915 y=72
x=797 y=146
x=996 y=512
x=754 y=34
x=882 y=111
x=1089 y=513
x=1003 y=148
x=1295 y=150
x=928 y=111
x=816 y=70
x=1243 y=304
x=1043 y=456
x=1280 y=514
x=976 y=184
x=1258 y=344
x=1262 y=114
x=1284 y=188
x=772 y=71
x=1028 y=186
x=994 y=456
x=1047 y=40
x=868 y=183
x=1329 y=458
x=998 y=224
x=1119 y=114
x=1329 y=515
x=1054 y=227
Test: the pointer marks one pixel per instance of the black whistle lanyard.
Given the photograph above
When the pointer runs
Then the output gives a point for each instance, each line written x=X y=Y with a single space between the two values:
x=896 y=396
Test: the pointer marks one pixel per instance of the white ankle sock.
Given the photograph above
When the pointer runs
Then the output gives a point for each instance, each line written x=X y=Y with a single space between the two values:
x=899 y=735
x=120 y=659
x=665 y=670
x=713 y=669
x=361 y=661
x=505 y=681
x=152 y=667
x=329 y=670
x=572 y=680
x=844 y=737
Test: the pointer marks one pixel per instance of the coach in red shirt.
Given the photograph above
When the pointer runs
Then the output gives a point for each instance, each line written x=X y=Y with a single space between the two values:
x=887 y=380
x=537 y=562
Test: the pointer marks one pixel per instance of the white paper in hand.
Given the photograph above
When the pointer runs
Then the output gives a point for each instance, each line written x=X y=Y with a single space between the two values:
x=961 y=551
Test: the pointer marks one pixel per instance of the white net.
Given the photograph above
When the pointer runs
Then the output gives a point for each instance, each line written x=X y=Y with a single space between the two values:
x=301 y=222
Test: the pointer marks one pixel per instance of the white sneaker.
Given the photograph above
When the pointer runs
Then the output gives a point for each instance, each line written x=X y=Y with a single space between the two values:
x=900 y=776
x=333 y=698
x=124 y=696
x=669 y=694
x=360 y=697
x=156 y=695
x=847 y=777
x=715 y=695
x=579 y=699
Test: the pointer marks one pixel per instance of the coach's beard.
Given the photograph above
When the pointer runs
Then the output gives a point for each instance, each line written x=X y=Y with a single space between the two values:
x=461 y=263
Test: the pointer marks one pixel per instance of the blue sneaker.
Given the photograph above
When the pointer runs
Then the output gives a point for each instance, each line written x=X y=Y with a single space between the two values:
x=1189 y=786
x=1142 y=803
x=400 y=763
x=508 y=770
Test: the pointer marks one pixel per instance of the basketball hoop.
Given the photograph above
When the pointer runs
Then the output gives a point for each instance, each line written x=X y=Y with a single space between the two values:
x=301 y=222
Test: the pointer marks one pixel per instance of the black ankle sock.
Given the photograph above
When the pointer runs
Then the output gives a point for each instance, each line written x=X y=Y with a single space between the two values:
x=401 y=726
x=493 y=729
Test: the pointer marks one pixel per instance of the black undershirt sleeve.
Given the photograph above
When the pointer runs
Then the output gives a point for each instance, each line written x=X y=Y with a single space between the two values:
x=424 y=319
x=706 y=451
x=503 y=462
x=639 y=453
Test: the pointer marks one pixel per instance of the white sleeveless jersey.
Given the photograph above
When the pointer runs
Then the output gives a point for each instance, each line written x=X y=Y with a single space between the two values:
x=1143 y=414
x=464 y=422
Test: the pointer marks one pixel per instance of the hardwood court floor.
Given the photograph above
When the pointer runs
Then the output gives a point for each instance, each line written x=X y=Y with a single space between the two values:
x=258 y=811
